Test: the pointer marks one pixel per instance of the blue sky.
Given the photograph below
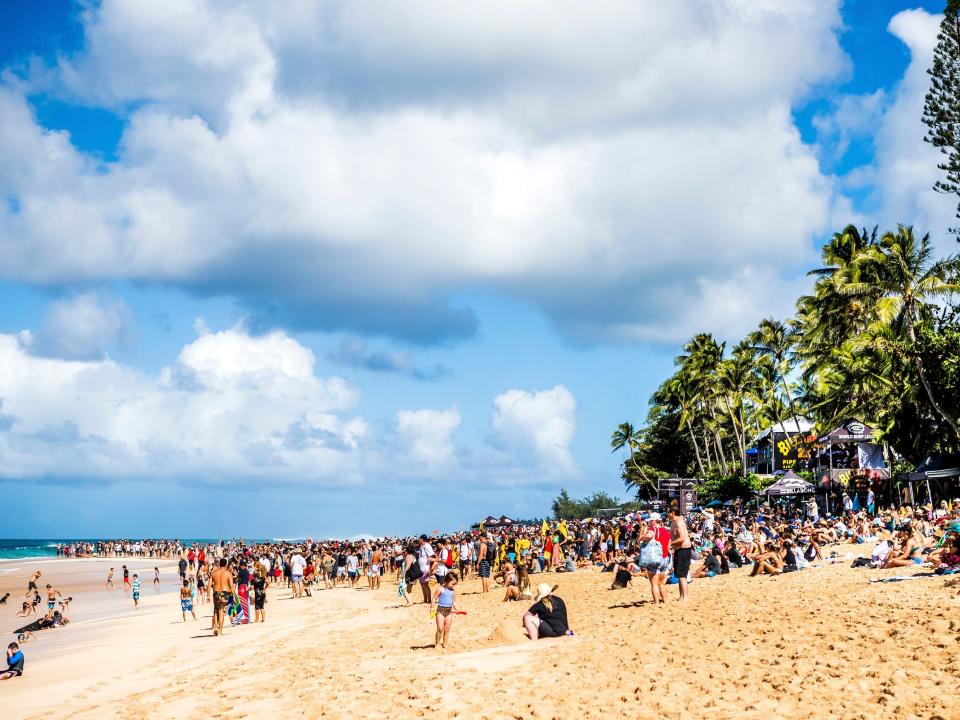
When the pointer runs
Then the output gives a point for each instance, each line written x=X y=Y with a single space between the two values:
x=330 y=270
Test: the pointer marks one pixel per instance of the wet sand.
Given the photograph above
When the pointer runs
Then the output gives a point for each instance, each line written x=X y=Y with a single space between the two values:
x=821 y=643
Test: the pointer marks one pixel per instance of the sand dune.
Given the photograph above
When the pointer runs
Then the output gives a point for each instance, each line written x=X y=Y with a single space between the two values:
x=820 y=643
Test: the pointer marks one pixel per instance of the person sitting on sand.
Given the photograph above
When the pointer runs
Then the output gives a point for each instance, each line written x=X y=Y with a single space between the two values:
x=507 y=575
x=734 y=558
x=14 y=662
x=907 y=551
x=766 y=561
x=520 y=589
x=714 y=563
x=442 y=607
x=547 y=617
x=27 y=609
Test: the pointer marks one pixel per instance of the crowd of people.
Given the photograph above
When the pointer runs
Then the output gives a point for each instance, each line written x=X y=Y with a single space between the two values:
x=677 y=549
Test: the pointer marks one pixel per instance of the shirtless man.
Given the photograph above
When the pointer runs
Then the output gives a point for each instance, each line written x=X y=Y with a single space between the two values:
x=110 y=579
x=682 y=550
x=32 y=583
x=376 y=568
x=221 y=579
x=52 y=593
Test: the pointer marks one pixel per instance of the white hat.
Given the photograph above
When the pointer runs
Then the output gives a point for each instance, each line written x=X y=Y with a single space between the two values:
x=544 y=589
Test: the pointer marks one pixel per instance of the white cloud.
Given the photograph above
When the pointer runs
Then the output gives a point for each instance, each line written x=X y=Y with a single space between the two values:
x=427 y=435
x=356 y=163
x=905 y=168
x=231 y=406
x=83 y=327
x=542 y=423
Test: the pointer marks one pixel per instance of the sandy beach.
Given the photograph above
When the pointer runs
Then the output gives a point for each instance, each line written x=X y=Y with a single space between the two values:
x=823 y=642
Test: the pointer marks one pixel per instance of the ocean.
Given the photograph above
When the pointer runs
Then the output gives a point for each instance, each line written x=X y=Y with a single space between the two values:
x=47 y=547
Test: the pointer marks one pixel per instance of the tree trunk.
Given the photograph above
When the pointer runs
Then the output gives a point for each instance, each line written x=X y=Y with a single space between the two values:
x=706 y=450
x=738 y=436
x=696 y=448
x=716 y=437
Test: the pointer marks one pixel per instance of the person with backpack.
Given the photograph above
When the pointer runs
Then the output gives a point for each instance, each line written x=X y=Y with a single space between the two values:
x=410 y=574
x=655 y=557
x=488 y=551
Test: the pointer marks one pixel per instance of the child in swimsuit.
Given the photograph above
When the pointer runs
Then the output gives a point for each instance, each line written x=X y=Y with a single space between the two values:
x=443 y=607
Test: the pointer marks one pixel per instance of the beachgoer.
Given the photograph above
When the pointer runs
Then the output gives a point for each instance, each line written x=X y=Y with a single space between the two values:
x=221 y=580
x=259 y=595
x=657 y=572
x=547 y=617
x=52 y=593
x=682 y=550
x=297 y=565
x=427 y=560
x=186 y=601
x=110 y=579
x=485 y=562
x=126 y=577
x=14 y=662
x=442 y=607
x=32 y=583
x=376 y=567
x=136 y=591
x=156 y=578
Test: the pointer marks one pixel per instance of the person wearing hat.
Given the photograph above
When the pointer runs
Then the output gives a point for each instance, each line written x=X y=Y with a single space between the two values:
x=547 y=617
x=657 y=572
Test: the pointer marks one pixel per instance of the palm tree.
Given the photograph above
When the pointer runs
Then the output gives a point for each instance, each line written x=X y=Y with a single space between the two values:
x=776 y=339
x=907 y=277
x=675 y=392
x=625 y=436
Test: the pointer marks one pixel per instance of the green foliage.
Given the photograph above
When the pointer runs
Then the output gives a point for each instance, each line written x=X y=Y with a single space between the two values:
x=567 y=508
x=941 y=108
x=728 y=487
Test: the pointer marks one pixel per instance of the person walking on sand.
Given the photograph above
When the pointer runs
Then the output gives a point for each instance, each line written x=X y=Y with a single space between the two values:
x=126 y=577
x=52 y=593
x=682 y=550
x=427 y=559
x=657 y=571
x=259 y=594
x=442 y=608
x=221 y=580
x=136 y=591
x=110 y=585
x=186 y=601
x=156 y=578
x=32 y=583
x=485 y=562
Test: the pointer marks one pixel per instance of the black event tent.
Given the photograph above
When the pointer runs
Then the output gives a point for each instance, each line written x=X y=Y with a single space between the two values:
x=789 y=484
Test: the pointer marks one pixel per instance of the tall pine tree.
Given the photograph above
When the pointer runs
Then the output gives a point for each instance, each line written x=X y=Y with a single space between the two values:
x=941 y=108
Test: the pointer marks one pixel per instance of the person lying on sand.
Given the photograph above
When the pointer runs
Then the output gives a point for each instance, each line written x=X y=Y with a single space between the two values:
x=3 y=600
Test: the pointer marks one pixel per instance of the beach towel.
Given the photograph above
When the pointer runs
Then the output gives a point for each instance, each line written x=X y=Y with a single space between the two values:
x=900 y=578
x=243 y=598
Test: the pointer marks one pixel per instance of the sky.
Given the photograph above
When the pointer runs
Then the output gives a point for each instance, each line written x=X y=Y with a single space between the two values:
x=333 y=267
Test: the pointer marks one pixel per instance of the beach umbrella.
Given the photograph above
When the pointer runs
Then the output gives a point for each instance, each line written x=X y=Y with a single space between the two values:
x=717 y=503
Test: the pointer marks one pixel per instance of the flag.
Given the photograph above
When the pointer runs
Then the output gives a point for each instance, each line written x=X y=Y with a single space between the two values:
x=483 y=530
x=544 y=529
x=562 y=529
